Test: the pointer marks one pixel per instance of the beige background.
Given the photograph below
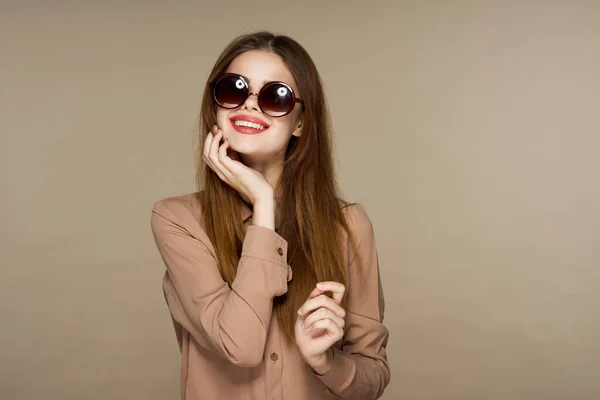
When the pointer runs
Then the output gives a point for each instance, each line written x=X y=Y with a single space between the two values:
x=469 y=131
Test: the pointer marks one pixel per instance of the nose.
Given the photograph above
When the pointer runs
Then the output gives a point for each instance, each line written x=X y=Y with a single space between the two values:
x=251 y=102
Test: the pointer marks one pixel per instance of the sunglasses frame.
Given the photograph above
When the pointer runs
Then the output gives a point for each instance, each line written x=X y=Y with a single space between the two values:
x=249 y=93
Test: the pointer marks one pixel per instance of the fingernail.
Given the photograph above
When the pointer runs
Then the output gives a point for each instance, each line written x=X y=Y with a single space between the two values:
x=319 y=285
x=303 y=326
x=300 y=311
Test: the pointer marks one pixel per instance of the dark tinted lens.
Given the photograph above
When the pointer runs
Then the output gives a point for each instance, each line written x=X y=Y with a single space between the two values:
x=230 y=91
x=276 y=99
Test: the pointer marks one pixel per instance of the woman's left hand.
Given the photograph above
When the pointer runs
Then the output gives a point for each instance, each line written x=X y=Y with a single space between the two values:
x=319 y=325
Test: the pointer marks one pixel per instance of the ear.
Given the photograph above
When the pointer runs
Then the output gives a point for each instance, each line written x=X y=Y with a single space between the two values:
x=298 y=131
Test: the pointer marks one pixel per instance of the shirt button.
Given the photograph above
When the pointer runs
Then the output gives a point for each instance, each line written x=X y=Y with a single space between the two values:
x=274 y=357
x=280 y=251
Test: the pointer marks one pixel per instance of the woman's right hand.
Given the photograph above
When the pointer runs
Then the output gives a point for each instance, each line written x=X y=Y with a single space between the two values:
x=249 y=183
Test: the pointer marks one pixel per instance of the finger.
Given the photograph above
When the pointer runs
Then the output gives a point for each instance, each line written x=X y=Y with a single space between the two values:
x=214 y=146
x=214 y=154
x=210 y=140
x=322 y=301
x=227 y=175
x=207 y=142
x=222 y=152
x=336 y=288
x=322 y=313
x=224 y=160
x=218 y=172
x=315 y=292
x=236 y=167
x=206 y=154
x=332 y=329
x=302 y=318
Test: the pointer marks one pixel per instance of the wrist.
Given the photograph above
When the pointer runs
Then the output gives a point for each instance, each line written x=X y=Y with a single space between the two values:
x=323 y=364
x=264 y=213
x=263 y=196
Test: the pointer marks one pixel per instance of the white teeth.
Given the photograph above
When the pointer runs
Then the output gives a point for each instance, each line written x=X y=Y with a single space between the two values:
x=248 y=124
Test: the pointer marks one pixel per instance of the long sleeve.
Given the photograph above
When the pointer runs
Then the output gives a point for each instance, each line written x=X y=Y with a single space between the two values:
x=360 y=369
x=231 y=321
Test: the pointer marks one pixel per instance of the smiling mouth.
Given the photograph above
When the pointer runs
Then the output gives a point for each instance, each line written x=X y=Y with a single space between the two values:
x=247 y=127
x=248 y=124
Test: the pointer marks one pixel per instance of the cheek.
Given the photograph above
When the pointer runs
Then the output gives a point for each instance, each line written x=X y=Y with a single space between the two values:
x=223 y=123
x=287 y=124
x=283 y=132
x=221 y=118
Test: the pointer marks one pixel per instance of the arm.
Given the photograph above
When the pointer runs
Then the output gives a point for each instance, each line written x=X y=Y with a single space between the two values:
x=231 y=321
x=360 y=369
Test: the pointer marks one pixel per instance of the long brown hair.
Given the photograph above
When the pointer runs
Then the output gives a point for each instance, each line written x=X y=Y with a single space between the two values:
x=310 y=201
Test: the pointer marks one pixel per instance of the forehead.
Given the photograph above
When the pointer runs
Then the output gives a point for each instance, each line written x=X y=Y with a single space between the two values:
x=260 y=66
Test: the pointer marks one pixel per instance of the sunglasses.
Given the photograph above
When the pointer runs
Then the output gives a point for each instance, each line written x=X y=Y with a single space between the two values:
x=275 y=99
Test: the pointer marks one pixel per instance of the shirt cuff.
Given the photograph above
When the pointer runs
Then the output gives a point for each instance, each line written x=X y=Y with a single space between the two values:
x=265 y=243
x=341 y=374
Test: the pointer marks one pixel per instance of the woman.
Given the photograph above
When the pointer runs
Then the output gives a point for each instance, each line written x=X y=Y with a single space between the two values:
x=270 y=208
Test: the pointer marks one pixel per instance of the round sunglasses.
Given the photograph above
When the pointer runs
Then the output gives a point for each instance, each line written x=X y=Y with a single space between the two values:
x=275 y=99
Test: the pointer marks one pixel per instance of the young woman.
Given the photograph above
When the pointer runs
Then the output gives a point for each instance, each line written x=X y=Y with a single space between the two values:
x=272 y=279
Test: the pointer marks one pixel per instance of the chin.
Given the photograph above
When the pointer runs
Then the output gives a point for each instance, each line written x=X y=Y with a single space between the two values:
x=241 y=146
x=251 y=150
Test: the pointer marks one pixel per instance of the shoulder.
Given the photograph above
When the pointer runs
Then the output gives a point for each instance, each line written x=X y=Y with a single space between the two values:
x=181 y=210
x=357 y=219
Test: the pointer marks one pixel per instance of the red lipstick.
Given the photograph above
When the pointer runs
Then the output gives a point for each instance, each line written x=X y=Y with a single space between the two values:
x=247 y=130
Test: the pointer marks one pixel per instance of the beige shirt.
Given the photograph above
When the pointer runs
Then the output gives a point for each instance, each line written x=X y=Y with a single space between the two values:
x=231 y=344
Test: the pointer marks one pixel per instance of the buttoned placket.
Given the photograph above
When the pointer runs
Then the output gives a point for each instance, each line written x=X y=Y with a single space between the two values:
x=274 y=351
x=274 y=362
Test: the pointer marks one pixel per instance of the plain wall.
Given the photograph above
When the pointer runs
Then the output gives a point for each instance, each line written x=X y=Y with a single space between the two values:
x=468 y=130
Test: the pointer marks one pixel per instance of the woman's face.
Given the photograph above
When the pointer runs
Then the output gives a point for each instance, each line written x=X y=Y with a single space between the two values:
x=263 y=145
